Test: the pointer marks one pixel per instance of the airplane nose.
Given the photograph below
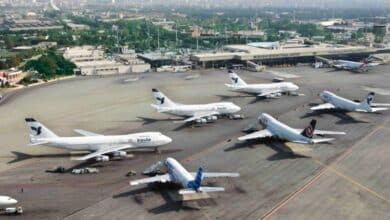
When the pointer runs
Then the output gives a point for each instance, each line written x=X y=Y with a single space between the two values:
x=11 y=201
x=168 y=140
x=237 y=108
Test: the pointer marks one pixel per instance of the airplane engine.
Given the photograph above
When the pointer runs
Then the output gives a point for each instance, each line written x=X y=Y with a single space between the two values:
x=201 y=121
x=102 y=158
x=120 y=154
x=212 y=118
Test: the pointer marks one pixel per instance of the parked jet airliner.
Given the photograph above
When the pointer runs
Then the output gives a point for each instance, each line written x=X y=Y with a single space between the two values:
x=201 y=113
x=275 y=128
x=336 y=102
x=191 y=182
x=348 y=65
x=268 y=90
x=100 y=145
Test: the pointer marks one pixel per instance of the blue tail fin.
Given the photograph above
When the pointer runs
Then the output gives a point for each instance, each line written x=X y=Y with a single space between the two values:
x=195 y=184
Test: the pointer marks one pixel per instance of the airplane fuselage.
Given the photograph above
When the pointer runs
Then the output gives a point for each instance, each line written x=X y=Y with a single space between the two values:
x=264 y=88
x=178 y=173
x=221 y=108
x=281 y=130
x=340 y=102
x=349 y=65
x=93 y=143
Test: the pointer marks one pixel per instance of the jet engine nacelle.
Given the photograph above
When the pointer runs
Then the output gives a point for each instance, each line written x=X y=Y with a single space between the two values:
x=120 y=154
x=102 y=158
x=275 y=95
x=212 y=118
x=201 y=121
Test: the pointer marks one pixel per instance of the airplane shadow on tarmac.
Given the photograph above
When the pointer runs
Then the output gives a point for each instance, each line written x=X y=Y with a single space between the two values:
x=282 y=151
x=23 y=156
x=255 y=98
x=163 y=189
x=146 y=120
x=343 y=116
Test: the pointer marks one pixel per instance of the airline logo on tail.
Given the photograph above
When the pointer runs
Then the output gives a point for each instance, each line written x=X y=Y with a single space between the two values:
x=195 y=184
x=309 y=130
x=235 y=80
x=162 y=100
x=370 y=97
x=37 y=129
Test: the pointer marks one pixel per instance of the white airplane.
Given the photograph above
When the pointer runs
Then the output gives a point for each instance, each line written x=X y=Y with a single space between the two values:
x=191 y=182
x=349 y=65
x=336 y=102
x=202 y=113
x=100 y=145
x=268 y=90
x=266 y=45
x=6 y=202
x=275 y=128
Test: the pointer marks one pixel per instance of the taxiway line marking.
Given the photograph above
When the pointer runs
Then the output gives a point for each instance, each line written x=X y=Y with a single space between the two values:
x=358 y=184
x=321 y=173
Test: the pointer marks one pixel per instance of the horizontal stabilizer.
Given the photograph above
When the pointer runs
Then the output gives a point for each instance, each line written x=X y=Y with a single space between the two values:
x=380 y=104
x=321 y=140
x=38 y=143
x=201 y=189
x=379 y=109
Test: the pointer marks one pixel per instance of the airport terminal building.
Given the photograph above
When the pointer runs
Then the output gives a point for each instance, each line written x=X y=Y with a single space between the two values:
x=241 y=54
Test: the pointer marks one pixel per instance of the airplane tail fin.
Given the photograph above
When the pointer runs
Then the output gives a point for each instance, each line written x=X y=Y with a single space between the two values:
x=366 y=104
x=161 y=99
x=235 y=80
x=195 y=184
x=309 y=130
x=38 y=130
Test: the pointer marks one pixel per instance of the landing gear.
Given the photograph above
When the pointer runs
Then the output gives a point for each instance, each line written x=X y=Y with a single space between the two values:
x=157 y=150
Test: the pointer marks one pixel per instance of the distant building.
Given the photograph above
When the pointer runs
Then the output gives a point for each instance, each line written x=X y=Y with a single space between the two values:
x=30 y=24
x=91 y=61
x=11 y=76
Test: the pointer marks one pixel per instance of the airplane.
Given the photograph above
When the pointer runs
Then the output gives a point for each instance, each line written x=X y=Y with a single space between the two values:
x=269 y=90
x=99 y=145
x=6 y=201
x=348 y=65
x=275 y=128
x=201 y=113
x=191 y=182
x=334 y=101
x=265 y=45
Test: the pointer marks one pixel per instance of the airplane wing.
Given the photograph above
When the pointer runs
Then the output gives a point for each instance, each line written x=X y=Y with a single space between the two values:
x=104 y=150
x=323 y=132
x=214 y=175
x=323 y=59
x=258 y=134
x=86 y=133
x=200 y=115
x=380 y=104
x=160 y=178
x=270 y=92
x=323 y=107
x=201 y=189
x=373 y=64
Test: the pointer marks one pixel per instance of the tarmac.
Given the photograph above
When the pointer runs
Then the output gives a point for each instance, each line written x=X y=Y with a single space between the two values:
x=348 y=179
